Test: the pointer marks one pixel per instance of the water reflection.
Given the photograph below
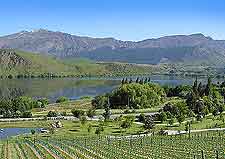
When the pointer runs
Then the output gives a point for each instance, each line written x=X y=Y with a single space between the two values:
x=75 y=88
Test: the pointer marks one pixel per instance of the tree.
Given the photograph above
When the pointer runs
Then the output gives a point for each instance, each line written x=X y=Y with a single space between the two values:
x=99 y=129
x=89 y=128
x=26 y=114
x=162 y=117
x=77 y=113
x=130 y=80
x=52 y=114
x=208 y=88
x=201 y=90
x=180 y=118
x=127 y=122
x=141 y=81
x=23 y=103
x=136 y=96
x=126 y=81
x=100 y=102
x=123 y=81
x=141 y=118
x=201 y=108
x=10 y=76
x=149 y=123
x=44 y=102
x=83 y=120
x=107 y=112
x=137 y=80
x=32 y=131
x=91 y=113
x=146 y=80
x=195 y=86
x=171 y=121
x=169 y=115
x=222 y=118
x=62 y=99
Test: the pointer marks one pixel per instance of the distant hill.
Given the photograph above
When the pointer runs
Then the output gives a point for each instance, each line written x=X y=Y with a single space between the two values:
x=195 y=49
x=14 y=62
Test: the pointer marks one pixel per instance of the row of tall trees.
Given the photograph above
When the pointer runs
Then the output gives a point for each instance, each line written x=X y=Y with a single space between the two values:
x=204 y=99
x=138 y=80
x=198 y=101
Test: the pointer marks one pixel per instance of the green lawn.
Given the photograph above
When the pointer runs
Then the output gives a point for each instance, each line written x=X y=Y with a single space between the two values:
x=84 y=104
x=208 y=122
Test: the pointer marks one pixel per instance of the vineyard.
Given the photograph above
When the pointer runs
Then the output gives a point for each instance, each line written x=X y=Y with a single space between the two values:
x=197 y=146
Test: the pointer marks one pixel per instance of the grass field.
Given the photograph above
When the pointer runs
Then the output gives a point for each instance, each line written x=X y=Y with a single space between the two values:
x=83 y=104
x=206 y=123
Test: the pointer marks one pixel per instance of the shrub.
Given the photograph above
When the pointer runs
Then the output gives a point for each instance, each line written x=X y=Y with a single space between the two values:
x=26 y=114
x=141 y=118
x=77 y=113
x=91 y=113
x=32 y=131
x=52 y=114
x=149 y=123
x=162 y=117
x=43 y=101
x=62 y=99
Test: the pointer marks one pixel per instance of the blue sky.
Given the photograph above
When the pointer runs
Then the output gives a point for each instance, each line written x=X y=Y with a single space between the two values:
x=122 y=19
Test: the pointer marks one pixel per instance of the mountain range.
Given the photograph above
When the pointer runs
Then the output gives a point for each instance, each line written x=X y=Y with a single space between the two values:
x=194 y=49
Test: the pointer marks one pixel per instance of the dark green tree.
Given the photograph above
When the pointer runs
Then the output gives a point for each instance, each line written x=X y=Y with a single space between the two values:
x=208 y=88
x=149 y=123
x=137 y=80
x=107 y=112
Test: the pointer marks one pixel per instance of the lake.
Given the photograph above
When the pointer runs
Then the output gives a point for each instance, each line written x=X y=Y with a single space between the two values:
x=9 y=132
x=74 y=88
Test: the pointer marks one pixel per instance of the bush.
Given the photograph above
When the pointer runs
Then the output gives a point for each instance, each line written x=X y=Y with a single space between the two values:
x=149 y=123
x=43 y=101
x=129 y=111
x=86 y=97
x=91 y=113
x=83 y=120
x=32 y=131
x=162 y=117
x=10 y=76
x=63 y=114
x=26 y=114
x=52 y=114
x=141 y=118
x=77 y=113
x=62 y=99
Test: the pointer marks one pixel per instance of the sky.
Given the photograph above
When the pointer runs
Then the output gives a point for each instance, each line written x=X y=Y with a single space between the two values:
x=122 y=19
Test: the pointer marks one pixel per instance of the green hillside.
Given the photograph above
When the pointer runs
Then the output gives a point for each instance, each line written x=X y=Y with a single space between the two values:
x=20 y=63
x=16 y=62
x=26 y=64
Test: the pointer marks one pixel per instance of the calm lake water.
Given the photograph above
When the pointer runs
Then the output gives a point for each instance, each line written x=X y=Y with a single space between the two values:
x=9 y=132
x=75 y=88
